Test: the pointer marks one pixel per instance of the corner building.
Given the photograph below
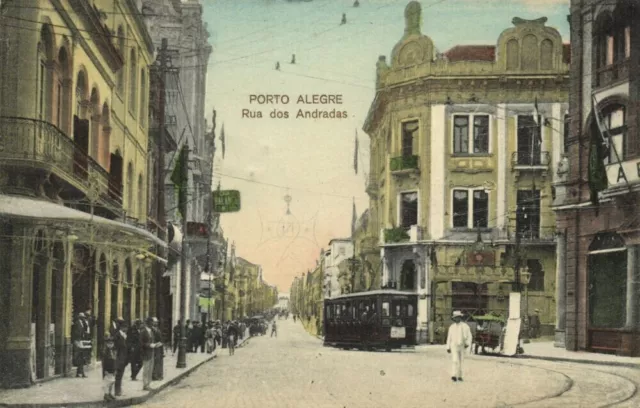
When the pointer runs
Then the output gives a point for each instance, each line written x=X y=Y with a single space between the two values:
x=599 y=300
x=461 y=173
x=73 y=178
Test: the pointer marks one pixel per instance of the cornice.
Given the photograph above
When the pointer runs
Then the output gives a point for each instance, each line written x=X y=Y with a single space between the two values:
x=99 y=33
x=75 y=32
x=142 y=26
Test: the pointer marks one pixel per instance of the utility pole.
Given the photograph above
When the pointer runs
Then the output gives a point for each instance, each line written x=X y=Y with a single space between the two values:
x=163 y=58
x=182 y=351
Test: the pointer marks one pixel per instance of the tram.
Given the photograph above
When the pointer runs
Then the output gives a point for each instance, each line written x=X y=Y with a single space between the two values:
x=380 y=319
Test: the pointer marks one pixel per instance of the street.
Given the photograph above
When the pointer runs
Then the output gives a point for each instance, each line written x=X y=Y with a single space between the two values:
x=295 y=370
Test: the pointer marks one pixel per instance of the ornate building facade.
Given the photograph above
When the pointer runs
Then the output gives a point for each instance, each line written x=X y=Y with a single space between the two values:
x=598 y=302
x=73 y=178
x=465 y=146
x=180 y=23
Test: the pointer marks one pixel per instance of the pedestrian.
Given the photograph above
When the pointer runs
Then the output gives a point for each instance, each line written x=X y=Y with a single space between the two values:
x=458 y=340
x=211 y=344
x=158 y=355
x=109 y=356
x=274 y=330
x=121 y=346
x=147 y=347
x=135 y=351
x=201 y=337
x=177 y=334
x=189 y=335
x=78 y=335
x=231 y=340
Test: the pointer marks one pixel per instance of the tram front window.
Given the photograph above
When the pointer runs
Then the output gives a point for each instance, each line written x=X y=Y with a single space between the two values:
x=385 y=309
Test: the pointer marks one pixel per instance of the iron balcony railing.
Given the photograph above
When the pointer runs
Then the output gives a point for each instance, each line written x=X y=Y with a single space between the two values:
x=404 y=163
x=527 y=159
x=41 y=144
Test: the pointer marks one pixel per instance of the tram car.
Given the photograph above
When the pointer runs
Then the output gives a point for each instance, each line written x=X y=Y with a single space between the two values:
x=379 y=319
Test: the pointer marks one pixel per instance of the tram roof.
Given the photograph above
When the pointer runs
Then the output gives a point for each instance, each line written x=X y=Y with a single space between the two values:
x=374 y=293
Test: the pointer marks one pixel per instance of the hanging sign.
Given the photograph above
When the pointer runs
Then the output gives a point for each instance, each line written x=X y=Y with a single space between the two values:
x=226 y=201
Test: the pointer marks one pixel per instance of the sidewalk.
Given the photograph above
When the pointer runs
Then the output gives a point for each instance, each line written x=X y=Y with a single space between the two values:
x=87 y=392
x=547 y=351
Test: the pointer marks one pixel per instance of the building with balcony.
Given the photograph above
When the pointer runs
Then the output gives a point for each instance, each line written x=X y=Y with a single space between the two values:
x=597 y=214
x=73 y=178
x=464 y=151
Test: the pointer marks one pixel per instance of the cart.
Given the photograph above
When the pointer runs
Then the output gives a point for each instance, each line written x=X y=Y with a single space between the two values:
x=488 y=334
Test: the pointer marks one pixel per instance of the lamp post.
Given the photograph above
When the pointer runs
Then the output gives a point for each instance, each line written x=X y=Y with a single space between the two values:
x=526 y=278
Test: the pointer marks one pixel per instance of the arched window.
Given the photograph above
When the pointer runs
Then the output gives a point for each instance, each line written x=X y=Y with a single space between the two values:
x=63 y=105
x=603 y=43
x=105 y=137
x=133 y=83
x=81 y=90
x=95 y=124
x=120 y=78
x=529 y=53
x=546 y=54
x=45 y=57
x=141 y=205
x=513 y=54
x=143 y=97
x=130 y=188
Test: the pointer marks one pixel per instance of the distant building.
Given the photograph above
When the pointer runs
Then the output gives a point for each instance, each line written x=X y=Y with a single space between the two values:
x=338 y=251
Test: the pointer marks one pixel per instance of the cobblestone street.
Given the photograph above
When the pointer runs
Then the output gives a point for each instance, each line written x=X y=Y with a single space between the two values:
x=294 y=370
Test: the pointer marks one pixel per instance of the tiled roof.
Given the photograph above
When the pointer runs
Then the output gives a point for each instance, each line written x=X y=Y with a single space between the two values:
x=471 y=53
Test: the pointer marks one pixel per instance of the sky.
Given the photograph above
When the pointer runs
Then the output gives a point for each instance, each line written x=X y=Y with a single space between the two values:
x=296 y=175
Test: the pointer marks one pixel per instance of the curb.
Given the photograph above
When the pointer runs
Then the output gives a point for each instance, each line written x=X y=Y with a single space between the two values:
x=581 y=361
x=125 y=402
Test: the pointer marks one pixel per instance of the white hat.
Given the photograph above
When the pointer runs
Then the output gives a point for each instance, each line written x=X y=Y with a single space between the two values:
x=457 y=313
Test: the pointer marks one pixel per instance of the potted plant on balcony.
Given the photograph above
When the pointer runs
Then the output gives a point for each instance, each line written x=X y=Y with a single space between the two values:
x=396 y=234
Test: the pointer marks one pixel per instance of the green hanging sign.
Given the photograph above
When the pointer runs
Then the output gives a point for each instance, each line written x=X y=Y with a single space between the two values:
x=226 y=201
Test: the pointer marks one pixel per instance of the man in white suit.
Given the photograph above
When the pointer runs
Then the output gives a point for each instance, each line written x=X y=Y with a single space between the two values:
x=458 y=339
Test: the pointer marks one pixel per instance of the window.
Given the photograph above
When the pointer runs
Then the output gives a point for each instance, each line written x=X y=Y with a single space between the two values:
x=460 y=208
x=385 y=309
x=133 y=83
x=80 y=93
x=410 y=310
x=536 y=282
x=470 y=208
x=478 y=142
x=143 y=92
x=121 y=48
x=627 y=42
x=409 y=131
x=408 y=209
x=342 y=250
x=529 y=141
x=141 y=205
x=528 y=214
x=614 y=124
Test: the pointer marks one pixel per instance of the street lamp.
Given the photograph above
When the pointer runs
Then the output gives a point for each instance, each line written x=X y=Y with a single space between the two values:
x=526 y=278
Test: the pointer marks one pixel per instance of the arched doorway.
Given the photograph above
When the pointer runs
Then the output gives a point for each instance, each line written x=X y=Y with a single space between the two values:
x=39 y=329
x=408 y=275
x=102 y=301
x=126 y=291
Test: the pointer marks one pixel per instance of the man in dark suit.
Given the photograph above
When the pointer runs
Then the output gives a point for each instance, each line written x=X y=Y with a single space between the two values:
x=122 y=352
x=135 y=353
x=77 y=336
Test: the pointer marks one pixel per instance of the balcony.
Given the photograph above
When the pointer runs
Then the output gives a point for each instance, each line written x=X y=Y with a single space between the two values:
x=404 y=164
x=524 y=161
x=39 y=145
x=401 y=235
x=611 y=74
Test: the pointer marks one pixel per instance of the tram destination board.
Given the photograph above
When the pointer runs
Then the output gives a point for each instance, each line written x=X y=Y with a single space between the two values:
x=226 y=201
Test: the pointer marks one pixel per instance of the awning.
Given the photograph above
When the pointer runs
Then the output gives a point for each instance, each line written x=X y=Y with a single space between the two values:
x=31 y=208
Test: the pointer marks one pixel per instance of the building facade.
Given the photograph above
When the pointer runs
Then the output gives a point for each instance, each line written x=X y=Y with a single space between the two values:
x=598 y=301
x=465 y=146
x=73 y=178
x=181 y=25
x=339 y=250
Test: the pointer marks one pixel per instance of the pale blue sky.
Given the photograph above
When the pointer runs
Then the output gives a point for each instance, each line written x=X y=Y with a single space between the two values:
x=314 y=158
